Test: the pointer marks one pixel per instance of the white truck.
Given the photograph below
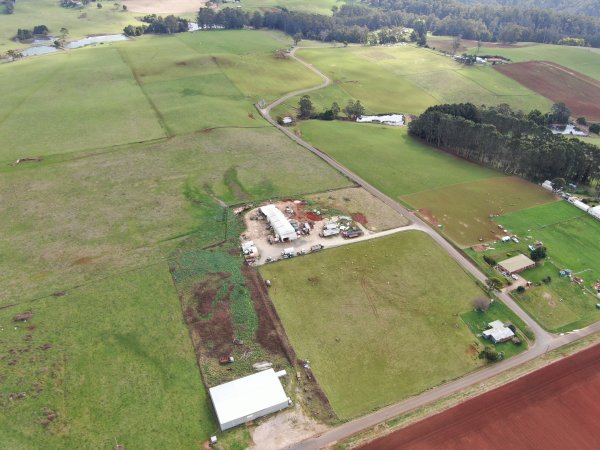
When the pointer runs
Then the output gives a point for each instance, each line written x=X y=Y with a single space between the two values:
x=288 y=252
x=330 y=229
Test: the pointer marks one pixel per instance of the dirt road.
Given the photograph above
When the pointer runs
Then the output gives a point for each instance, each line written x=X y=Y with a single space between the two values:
x=544 y=340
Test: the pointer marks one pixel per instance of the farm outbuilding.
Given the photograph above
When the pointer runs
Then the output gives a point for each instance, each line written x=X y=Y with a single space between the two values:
x=548 y=185
x=282 y=227
x=249 y=398
x=579 y=204
x=498 y=332
x=595 y=212
x=516 y=264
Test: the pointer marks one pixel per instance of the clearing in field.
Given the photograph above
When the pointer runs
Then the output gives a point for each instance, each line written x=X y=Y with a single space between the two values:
x=465 y=211
x=560 y=84
x=374 y=326
x=571 y=238
x=389 y=158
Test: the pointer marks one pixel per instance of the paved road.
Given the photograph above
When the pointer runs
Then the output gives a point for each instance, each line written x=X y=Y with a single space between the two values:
x=544 y=341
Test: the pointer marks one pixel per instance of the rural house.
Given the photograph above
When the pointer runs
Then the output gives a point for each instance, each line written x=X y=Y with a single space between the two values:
x=498 y=332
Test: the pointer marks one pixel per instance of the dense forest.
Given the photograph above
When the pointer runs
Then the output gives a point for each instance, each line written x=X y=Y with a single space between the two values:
x=496 y=23
x=581 y=7
x=357 y=22
x=509 y=141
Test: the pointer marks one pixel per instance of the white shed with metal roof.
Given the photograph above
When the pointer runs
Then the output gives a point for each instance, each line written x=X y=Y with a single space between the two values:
x=249 y=398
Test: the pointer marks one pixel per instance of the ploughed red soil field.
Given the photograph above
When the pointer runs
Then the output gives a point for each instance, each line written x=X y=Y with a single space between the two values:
x=557 y=407
x=560 y=84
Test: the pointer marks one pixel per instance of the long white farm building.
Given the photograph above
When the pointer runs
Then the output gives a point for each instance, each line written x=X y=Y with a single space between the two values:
x=249 y=398
x=282 y=227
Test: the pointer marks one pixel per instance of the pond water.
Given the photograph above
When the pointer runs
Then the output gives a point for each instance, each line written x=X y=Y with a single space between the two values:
x=45 y=49
x=386 y=119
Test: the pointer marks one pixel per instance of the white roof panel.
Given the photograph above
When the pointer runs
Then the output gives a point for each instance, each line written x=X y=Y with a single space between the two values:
x=248 y=395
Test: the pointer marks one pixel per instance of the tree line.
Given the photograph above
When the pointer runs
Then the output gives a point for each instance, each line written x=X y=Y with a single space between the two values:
x=508 y=141
x=493 y=22
x=356 y=22
x=581 y=7
x=158 y=25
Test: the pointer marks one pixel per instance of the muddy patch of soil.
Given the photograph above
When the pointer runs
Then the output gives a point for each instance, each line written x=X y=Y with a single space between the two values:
x=209 y=318
x=267 y=334
x=360 y=218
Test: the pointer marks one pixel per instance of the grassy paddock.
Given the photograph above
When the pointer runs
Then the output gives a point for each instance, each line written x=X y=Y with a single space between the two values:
x=571 y=238
x=73 y=217
x=409 y=79
x=80 y=22
x=153 y=87
x=373 y=326
x=464 y=209
x=120 y=369
x=389 y=158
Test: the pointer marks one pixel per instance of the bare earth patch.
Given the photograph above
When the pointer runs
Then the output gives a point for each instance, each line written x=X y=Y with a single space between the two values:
x=560 y=84
x=284 y=429
x=164 y=6
x=375 y=214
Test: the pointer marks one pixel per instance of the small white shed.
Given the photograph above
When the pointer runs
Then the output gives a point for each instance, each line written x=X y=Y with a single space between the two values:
x=249 y=398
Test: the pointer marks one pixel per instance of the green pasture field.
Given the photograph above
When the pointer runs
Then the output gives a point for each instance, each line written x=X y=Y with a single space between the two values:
x=371 y=322
x=142 y=90
x=389 y=158
x=409 y=79
x=463 y=210
x=310 y=6
x=582 y=59
x=86 y=98
x=72 y=217
x=571 y=238
x=120 y=369
x=29 y=13
x=590 y=140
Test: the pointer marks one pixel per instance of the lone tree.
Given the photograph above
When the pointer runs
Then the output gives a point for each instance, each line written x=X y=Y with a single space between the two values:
x=490 y=354
x=558 y=183
x=582 y=121
x=538 y=254
x=494 y=283
x=306 y=107
x=559 y=114
x=595 y=128
x=455 y=44
x=482 y=304
x=64 y=32
x=335 y=109
x=297 y=38
x=354 y=109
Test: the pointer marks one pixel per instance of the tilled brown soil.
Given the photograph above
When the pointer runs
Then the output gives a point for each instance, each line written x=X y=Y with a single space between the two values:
x=560 y=84
x=557 y=407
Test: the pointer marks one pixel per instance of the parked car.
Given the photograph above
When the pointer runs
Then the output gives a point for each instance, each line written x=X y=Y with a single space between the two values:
x=351 y=234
